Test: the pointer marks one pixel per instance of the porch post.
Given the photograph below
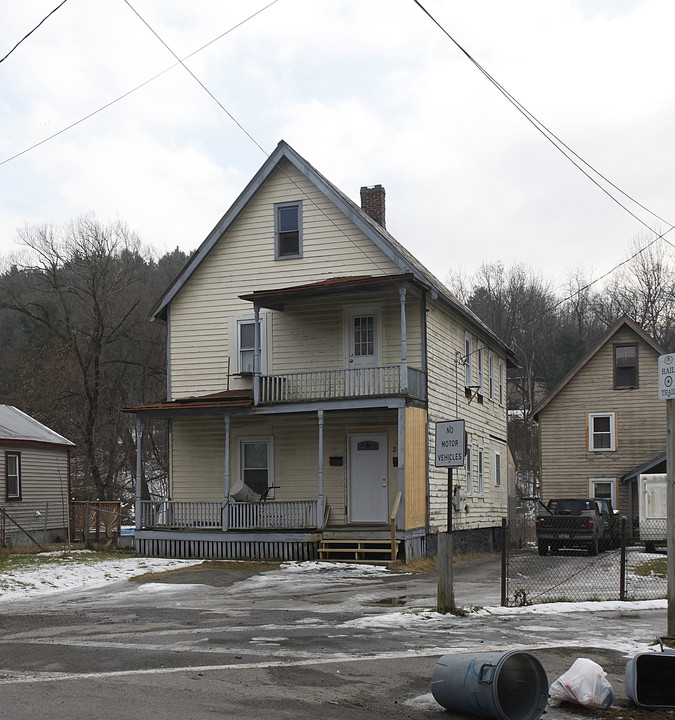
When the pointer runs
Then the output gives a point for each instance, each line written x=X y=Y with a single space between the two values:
x=404 y=341
x=321 y=503
x=227 y=483
x=256 y=355
x=139 y=437
x=401 y=466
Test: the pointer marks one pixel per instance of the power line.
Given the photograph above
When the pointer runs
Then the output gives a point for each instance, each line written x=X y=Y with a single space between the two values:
x=33 y=30
x=563 y=148
x=133 y=90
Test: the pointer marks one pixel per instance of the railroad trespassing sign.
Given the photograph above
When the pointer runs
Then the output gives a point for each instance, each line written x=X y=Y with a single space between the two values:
x=667 y=376
x=450 y=443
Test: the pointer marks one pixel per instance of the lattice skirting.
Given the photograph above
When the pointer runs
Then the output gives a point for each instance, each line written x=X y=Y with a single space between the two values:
x=228 y=549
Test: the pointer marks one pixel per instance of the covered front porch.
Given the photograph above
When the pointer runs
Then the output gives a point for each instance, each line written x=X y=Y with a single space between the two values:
x=331 y=473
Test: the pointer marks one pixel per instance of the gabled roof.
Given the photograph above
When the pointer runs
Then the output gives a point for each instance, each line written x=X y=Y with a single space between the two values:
x=377 y=234
x=623 y=321
x=17 y=427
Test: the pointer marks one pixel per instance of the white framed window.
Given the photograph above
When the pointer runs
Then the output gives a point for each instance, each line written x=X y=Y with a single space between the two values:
x=288 y=230
x=602 y=432
x=501 y=382
x=245 y=341
x=603 y=488
x=480 y=357
x=256 y=464
x=481 y=472
x=13 y=475
x=491 y=375
x=469 y=472
x=468 y=352
x=498 y=469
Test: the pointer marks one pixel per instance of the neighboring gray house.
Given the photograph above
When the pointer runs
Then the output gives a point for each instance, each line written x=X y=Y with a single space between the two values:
x=34 y=480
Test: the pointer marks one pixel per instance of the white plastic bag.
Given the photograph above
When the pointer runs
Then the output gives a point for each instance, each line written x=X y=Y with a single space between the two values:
x=585 y=683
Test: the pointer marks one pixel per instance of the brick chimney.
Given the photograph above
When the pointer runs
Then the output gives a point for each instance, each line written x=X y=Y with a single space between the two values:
x=372 y=203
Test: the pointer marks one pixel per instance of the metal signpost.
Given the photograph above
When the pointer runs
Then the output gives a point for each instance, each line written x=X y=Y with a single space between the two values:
x=667 y=393
x=450 y=452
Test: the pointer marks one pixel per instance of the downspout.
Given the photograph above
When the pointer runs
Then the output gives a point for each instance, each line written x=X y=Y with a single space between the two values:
x=404 y=342
x=227 y=479
x=256 y=356
x=321 y=504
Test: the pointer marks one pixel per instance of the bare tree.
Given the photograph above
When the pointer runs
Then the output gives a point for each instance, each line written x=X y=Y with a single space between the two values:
x=83 y=284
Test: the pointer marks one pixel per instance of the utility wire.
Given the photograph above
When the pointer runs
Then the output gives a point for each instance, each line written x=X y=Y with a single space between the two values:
x=552 y=137
x=133 y=90
x=32 y=31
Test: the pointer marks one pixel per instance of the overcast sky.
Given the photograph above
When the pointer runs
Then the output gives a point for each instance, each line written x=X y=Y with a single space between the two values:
x=368 y=91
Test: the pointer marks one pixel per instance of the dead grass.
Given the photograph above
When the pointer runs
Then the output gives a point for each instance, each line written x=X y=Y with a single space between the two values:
x=430 y=565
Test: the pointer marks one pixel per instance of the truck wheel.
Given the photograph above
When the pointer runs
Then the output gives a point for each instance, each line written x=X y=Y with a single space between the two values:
x=543 y=547
x=593 y=547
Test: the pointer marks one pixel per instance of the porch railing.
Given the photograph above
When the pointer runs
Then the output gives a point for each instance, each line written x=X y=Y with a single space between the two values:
x=339 y=384
x=206 y=514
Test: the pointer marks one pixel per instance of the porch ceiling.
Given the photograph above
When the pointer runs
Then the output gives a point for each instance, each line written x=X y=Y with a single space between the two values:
x=275 y=299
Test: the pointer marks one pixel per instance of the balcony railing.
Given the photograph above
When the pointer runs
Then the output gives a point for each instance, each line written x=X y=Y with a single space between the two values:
x=209 y=515
x=340 y=384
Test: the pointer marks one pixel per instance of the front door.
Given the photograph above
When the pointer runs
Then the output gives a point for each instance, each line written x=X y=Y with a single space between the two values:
x=368 y=495
x=363 y=353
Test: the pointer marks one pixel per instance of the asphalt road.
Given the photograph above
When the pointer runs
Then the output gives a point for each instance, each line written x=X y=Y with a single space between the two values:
x=328 y=644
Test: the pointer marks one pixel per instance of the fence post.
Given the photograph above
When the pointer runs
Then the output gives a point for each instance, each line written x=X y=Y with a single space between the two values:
x=505 y=538
x=622 y=580
x=44 y=527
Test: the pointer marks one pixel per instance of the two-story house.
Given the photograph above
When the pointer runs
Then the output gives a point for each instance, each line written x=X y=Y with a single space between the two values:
x=604 y=424
x=309 y=357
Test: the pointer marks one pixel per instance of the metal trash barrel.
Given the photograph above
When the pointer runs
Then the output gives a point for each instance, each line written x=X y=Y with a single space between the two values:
x=649 y=678
x=499 y=685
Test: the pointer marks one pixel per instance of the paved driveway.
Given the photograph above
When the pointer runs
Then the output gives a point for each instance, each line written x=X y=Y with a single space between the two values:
x=323 y=641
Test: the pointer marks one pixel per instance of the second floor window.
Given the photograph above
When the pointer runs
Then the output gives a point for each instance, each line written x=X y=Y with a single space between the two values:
x=601 y=432
x=480 y=353
x=501 y=382
x=287 y=230
x=491 y=375
x=468 y=379
x=625 y=367
x=246 y=345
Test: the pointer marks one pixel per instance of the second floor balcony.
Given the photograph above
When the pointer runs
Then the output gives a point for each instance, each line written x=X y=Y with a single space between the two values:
x=382 y=381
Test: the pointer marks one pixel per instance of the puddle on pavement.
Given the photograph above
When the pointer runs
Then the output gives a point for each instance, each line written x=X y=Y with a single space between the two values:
x=387 y=602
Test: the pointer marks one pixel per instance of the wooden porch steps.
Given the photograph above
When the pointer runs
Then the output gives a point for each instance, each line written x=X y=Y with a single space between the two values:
x=351 y=550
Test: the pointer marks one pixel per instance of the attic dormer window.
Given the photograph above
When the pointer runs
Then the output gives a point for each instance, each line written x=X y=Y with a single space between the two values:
x=625 y=367
x=287 y=230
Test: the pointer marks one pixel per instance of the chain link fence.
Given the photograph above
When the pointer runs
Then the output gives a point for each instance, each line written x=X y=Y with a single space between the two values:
x=568 y=569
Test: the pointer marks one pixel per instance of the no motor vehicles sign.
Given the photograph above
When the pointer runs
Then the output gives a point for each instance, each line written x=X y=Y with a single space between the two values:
x=450 y=443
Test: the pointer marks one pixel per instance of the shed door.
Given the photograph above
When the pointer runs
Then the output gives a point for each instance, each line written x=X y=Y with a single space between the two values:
x=368 y=494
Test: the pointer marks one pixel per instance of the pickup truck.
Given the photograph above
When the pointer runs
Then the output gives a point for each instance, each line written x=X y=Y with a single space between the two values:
x=587 y=523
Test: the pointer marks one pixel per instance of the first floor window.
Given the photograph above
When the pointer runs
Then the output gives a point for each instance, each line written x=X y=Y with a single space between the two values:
x=469 y=472
x=256 y=465
x=13 y=475
x=498 y=469
x=604 y=488
x=481 y=472
x=601 y=432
